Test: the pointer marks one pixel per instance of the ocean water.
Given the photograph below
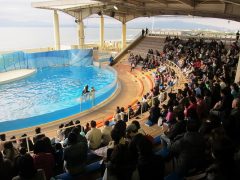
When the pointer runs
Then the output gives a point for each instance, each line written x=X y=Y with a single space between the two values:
x=15 y=38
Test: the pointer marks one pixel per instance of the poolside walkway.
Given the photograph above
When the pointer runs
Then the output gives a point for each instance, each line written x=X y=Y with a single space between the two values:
x=10 y=76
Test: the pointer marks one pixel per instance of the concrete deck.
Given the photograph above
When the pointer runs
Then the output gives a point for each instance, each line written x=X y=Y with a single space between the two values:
x=15 y=75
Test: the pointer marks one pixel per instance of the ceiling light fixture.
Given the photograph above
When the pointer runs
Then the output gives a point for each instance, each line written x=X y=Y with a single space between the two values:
x=115 y=7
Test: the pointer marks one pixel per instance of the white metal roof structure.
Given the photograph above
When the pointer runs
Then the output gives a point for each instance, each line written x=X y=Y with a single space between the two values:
x=126 y=10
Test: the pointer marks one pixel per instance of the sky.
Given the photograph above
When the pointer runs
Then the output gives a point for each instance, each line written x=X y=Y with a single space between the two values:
x=20 y=13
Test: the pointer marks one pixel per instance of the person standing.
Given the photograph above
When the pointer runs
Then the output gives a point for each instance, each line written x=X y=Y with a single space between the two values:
x=111 y=61
x=237 y=35
x=85 y=90
x=146 y=31
x=143 y=32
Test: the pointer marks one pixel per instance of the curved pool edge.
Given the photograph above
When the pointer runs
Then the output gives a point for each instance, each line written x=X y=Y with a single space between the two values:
x=73 y=116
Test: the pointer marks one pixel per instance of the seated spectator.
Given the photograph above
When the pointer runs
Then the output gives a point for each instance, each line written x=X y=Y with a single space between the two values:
x=6 y=168
x=38 y=135
x=27 y=170
x=87 y=128
x=164 y=111
x=170 y=133
x=23 y=142
x=191 y=108
x=232 y=123
x=10 y=152
x=75 y=155
x=130 y=112
x=140 y=130
x=123 y=114
x=223 y=108
x=66 y=130
x=60 y=133
x=94 y=136
x=202 y=110
x=117 y=115
x=149 y=166
x=80 y=138
x=48 y=145
x=78 y=125
x=14 y=142
x=118 y=158
x=106 y=133
x=235 y=90
x=138 y=109
x=154 y=114
x=189 y=150
x=2 y=139
x=58 y=158
x=121 y=127
x=133 y=136
x=145 y=106
x=197 y=89
x=43 y=160
x=224 y=166
x=170 y=116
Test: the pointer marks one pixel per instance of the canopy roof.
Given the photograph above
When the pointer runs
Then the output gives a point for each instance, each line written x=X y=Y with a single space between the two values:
x=126 y=10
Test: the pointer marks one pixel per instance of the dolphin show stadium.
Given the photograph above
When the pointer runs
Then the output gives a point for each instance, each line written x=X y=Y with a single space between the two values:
x=163 y=105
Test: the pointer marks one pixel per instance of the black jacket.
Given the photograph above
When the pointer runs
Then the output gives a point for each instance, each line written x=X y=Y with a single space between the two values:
x=154 y=114
x=189 y=151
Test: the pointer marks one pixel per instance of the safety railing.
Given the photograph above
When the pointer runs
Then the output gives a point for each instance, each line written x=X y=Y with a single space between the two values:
x=226 y=38
x=55 y=130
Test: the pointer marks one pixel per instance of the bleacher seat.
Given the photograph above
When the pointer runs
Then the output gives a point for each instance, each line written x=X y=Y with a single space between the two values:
x=91 y=168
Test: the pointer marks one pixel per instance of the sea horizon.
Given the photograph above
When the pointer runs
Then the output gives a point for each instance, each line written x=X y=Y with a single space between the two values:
x=30 y=37
x=19 y=38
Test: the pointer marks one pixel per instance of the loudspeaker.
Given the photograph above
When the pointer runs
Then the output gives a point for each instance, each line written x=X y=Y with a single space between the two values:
x=76 y=20
x=112 y=14
x=99 y=13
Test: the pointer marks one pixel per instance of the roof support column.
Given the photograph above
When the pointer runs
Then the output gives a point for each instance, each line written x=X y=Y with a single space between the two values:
x=124 y=32
x=56 y=30
x=237 y=77
x=80 y=32
x=101 y=31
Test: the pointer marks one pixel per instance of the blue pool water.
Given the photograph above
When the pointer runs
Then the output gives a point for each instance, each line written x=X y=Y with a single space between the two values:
x=50 y=94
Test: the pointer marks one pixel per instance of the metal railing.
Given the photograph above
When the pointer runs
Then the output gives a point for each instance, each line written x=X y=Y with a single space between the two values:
x=228 y=39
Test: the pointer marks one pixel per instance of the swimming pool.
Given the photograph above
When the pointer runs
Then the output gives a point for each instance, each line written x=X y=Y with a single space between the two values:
x=52 y=93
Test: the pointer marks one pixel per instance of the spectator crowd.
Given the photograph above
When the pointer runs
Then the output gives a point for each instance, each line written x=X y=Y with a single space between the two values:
x=200 y=126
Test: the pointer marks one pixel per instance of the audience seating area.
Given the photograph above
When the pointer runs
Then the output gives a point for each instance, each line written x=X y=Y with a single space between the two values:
x=186 y=125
